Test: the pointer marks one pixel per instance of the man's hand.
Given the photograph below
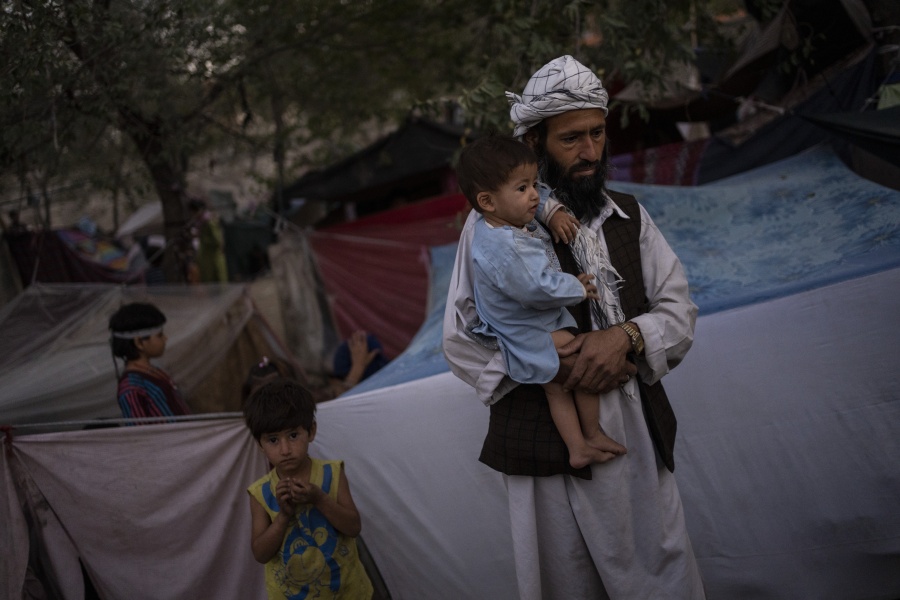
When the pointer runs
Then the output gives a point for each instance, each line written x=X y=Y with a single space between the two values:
x=563 y=226
x=599 y=363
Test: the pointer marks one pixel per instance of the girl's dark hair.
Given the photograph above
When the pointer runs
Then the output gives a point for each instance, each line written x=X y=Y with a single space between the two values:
x=278 y=405
x=485 y=164
x=132 y=317
x=266 y=370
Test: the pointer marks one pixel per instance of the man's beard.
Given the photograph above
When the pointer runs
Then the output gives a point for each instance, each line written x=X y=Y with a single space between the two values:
x=584 y=196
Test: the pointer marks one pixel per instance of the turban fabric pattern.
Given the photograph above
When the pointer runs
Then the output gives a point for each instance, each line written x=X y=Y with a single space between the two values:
x=561 y=85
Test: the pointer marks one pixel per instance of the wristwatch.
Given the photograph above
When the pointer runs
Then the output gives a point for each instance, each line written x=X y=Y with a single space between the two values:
x=637 y=340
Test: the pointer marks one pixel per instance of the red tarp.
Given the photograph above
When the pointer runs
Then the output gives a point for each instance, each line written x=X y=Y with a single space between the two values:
x=375 y=270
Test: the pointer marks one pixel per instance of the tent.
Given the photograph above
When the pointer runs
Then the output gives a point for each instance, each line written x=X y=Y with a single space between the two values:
x=409 y=164
x=788 y=406
x=70 y=255
x=56 y=364
x=759 y=105
x=370 y=274
x=375 y=270
x=777 y=130
x=246 y=236
x=877 y=131
x=372 y=270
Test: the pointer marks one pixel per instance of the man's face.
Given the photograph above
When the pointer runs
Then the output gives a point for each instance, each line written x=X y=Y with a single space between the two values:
x=574 y=161
x=575 y=140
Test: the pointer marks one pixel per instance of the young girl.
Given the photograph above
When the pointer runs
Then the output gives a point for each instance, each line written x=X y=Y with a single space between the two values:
x=519 y=289
x=136 y=336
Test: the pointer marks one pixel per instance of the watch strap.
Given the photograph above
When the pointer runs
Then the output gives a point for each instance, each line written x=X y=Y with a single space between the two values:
x=637 y=340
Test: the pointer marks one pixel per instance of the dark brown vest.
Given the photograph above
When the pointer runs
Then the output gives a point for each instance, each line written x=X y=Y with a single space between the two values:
x=521 y=438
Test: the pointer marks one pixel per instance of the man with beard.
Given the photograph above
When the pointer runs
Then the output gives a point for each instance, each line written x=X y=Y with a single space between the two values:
x=611 y=530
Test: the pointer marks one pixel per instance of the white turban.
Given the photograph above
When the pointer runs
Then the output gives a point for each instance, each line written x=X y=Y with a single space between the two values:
x=561 y=85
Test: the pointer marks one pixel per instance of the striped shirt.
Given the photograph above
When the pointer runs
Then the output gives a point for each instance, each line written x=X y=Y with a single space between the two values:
x=153 y=394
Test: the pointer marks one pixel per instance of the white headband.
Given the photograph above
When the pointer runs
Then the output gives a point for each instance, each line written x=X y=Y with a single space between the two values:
x=561 y=85
x=140 y=333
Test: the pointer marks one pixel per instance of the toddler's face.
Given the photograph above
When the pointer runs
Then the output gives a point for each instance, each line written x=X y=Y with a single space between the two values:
x=516 y=202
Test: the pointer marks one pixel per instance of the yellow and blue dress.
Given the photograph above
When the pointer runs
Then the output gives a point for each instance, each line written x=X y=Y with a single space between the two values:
x=315 y=560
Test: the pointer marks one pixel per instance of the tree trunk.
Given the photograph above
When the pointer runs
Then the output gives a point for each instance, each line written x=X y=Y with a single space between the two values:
x=179 y=248
x=169 y=174
x=279 y=147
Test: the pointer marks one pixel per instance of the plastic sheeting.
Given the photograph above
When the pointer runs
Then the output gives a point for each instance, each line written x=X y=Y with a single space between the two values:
x=63 y=256
x=877 y=131
x=789 y=425
x=375 y=270
x=789 y=433
x=56 y=364
x=151 y=512
x=789 y=429
x=762 y=140
x=306 y=320
x=788 y=408
x=789 y=227
x=764 y=137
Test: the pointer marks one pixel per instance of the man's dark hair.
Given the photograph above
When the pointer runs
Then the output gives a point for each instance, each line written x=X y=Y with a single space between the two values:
x=485 y=164
x=585 y=197
x=132 y=317
x=278 y=405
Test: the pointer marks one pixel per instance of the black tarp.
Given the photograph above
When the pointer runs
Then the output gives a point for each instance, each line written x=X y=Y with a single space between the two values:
x=845 y=90
x=418 y=147
x=875 y=131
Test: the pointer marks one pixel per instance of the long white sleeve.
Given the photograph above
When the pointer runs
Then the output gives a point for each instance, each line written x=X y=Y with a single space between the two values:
x=478 y=366
x=668 y=326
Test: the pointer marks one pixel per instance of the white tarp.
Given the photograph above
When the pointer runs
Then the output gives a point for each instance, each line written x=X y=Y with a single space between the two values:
x=789 y=432
x=154 y=511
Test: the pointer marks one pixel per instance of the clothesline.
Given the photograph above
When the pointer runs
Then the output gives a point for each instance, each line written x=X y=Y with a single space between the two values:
x=58 y=425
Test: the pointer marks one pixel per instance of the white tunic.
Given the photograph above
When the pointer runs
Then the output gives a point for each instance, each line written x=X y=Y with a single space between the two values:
x=521 y=297
x=622 y=533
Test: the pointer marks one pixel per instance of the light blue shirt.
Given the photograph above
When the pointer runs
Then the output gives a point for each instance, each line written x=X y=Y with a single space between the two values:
x=520 y=296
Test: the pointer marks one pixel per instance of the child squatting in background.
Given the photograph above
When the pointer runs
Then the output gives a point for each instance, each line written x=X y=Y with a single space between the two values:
x=520 y=290
x=357 y=358
x=136 y=336
x=266 y=370
x=304 y=520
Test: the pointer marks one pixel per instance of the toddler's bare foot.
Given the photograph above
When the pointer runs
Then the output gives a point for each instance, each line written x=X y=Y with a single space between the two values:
x=588 y=455
x=601 y=441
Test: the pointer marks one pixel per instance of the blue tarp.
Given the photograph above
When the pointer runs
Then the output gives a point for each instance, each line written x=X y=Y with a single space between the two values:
x=788 y=227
